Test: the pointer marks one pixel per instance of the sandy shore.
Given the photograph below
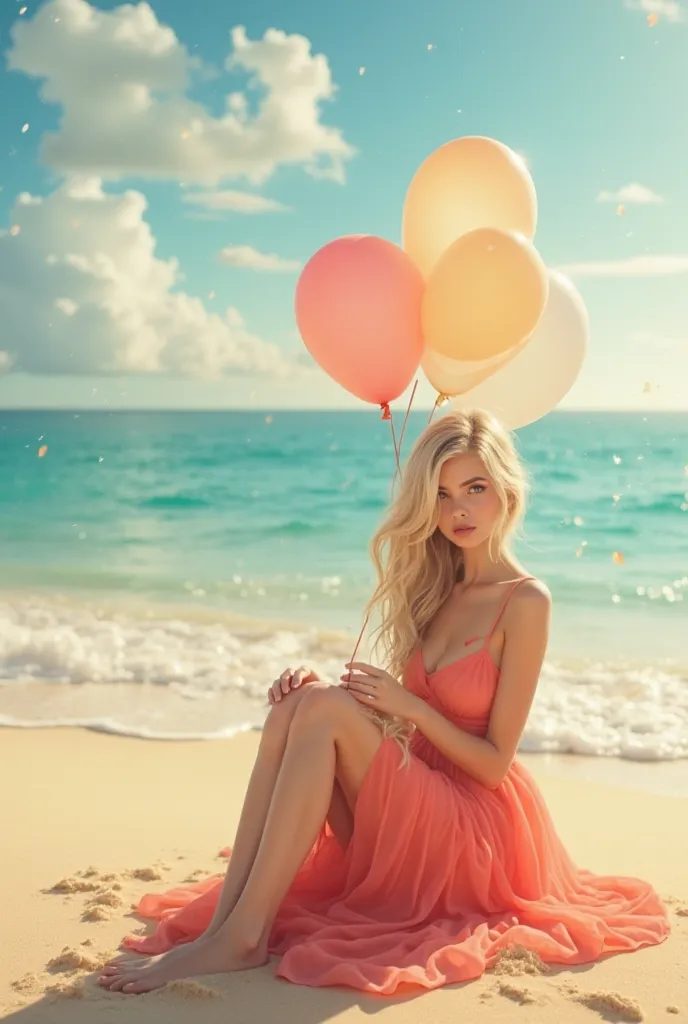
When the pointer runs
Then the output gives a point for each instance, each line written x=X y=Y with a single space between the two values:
x=118 y=817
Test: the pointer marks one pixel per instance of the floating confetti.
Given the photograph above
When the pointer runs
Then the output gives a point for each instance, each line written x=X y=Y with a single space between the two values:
x=268 y=419
x=431 y=46
x=25 y=129
x=652 y=19
x=579 y=552
x=577 y=521
x=616 y=598
x=14 y=230
x=617 y=459
x=23 y=10
x=620 y=210
x=617 y=558
x=211 y=295
x=42 y=451
x=361 y=71
x=616 y=497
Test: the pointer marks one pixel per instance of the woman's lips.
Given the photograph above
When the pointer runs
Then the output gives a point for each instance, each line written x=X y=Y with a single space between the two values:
x=462 y=531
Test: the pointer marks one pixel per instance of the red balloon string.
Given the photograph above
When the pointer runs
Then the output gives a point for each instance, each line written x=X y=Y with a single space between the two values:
x=360 y=637
x=387 y=415
x=408 y=410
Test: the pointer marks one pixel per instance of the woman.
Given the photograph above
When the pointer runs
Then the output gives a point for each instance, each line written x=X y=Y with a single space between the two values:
x=389 y=835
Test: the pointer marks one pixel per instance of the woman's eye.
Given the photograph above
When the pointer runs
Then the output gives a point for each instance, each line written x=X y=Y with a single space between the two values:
x=479 y=488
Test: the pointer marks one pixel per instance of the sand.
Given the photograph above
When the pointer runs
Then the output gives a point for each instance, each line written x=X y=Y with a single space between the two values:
x=90 y=822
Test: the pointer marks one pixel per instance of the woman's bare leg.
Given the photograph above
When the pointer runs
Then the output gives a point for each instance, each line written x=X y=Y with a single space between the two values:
x=329 y=736
x=255 y=811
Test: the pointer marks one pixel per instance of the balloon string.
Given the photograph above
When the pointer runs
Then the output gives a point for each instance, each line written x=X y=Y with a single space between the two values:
x=360 y=637
x=403 y=431
x=408 y=410
x=387 y=415
x=440 y=400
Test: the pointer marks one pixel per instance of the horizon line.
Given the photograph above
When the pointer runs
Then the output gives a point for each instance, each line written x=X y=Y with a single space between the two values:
x=297 y=409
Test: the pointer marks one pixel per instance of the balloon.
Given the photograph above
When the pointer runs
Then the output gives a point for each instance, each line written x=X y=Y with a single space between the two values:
x=466 y=184
x=485 y=295
x=358 y=308
x=544 y=371
x=454 y=376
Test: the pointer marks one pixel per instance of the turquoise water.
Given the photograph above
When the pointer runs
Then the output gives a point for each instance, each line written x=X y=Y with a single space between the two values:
x=273 y=512
x=260 y=522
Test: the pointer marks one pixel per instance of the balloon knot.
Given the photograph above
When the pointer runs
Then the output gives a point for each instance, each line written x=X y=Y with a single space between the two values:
x=442 y=399
x=386 y=411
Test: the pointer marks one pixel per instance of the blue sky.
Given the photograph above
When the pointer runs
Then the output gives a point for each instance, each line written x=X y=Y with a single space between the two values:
x=141 y=204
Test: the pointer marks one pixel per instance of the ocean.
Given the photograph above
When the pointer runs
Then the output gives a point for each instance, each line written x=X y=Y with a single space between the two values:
x=159 y=570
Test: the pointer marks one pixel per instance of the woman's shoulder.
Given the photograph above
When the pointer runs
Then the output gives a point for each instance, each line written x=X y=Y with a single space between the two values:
x=531 y=597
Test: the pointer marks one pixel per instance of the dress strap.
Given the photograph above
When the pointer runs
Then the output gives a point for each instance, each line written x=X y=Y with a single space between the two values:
x=504 y=604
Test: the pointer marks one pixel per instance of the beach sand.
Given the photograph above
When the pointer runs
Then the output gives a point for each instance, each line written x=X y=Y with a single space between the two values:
x=90 y=822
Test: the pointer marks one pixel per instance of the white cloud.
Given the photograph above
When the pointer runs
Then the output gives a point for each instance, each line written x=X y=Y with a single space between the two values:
x=121 y=78
x=82 y=292
x=235 y=202
x=669 y=9
x=247 y=256
x=633 y=266
x=633 y=193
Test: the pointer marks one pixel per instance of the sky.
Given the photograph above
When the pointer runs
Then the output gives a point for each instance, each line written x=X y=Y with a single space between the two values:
x=167 y=169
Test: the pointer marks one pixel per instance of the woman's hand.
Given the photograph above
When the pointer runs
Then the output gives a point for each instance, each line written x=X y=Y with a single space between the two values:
x=291 y=680
x=378 y=690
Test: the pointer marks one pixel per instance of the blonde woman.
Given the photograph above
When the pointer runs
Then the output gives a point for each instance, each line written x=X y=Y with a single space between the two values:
x=389 y=835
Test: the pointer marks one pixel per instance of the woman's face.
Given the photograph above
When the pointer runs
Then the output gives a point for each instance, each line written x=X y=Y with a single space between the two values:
x=469 y=505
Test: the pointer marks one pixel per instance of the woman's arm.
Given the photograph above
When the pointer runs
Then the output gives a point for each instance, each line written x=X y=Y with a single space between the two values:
x=526 y=628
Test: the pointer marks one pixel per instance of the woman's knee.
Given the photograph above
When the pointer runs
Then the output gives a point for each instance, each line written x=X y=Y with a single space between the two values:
x=323 y=704
x=283 y=711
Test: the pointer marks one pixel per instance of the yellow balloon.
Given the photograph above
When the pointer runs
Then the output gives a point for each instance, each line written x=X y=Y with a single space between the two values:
x=486 y=294
x=469 y=183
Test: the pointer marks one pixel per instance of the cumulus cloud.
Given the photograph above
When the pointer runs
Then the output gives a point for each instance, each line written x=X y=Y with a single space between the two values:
x=82 y=291
x=633 y=193
x=121 y=79
x=633 y=266
x=253 y=259
x=227 y=200
x=671 y=10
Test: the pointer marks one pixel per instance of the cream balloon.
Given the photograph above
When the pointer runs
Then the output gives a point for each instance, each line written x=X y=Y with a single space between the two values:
x=468 y=183
x=544 y=371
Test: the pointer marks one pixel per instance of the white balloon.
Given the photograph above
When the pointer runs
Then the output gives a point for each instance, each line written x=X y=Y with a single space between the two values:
x=532 y=383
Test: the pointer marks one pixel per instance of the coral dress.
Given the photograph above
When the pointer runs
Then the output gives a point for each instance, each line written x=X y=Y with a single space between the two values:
x=440 y=875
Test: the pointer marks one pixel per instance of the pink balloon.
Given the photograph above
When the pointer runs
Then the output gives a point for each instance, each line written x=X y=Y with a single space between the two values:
x=358 y=308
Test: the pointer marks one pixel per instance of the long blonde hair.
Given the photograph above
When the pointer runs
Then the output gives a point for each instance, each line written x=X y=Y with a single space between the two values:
x=416 y=565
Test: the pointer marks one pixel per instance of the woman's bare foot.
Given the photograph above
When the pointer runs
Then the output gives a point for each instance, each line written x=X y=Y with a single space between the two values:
x=212 y=955
x=183 y=948
x=134 y=959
